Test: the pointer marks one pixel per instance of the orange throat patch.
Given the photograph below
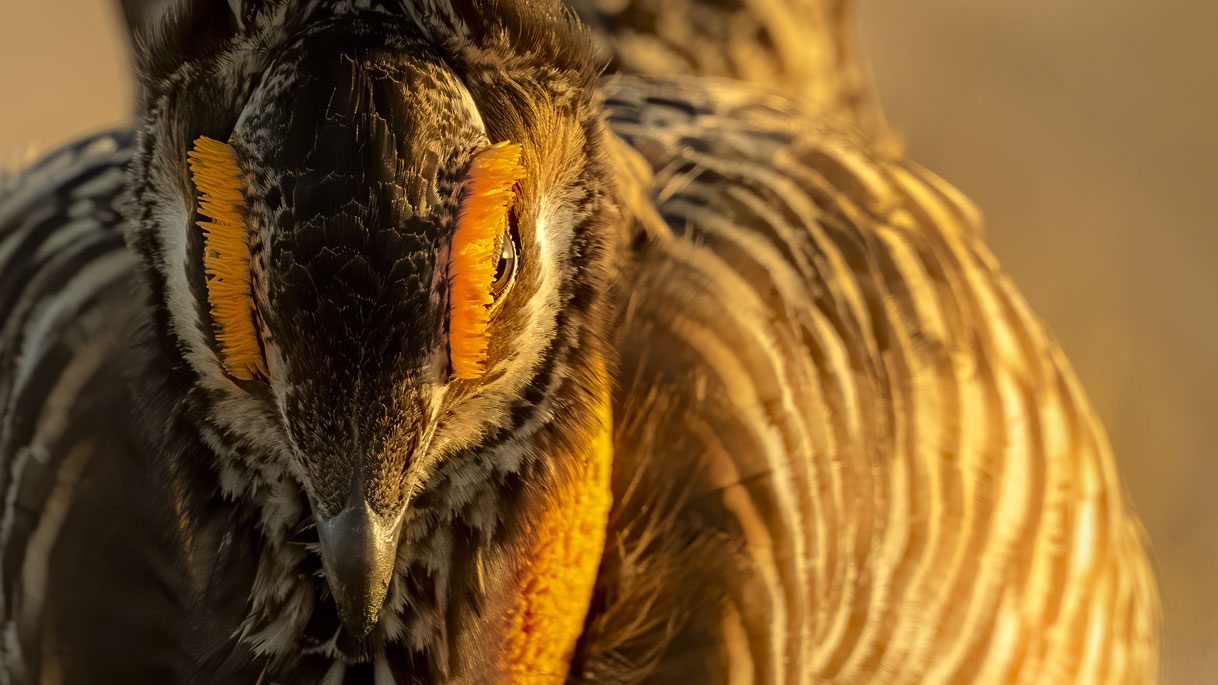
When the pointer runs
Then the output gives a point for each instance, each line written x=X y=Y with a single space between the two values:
x=569 y=540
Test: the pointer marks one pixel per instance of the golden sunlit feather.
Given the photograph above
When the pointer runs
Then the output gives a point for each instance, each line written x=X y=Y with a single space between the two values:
x=568 y=541
x=488 y=197
x=226 y=256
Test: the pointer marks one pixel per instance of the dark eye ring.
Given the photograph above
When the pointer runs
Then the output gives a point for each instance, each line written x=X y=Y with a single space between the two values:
x=508 y=253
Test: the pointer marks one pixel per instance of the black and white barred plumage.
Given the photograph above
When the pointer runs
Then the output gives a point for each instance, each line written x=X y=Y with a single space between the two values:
x=844 y=449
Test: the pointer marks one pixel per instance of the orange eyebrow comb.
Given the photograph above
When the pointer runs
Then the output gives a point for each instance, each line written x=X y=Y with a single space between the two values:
x=488 y=197
x=226 y=256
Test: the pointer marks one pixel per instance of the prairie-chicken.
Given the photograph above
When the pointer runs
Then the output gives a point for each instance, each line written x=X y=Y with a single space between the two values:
x=396 y=344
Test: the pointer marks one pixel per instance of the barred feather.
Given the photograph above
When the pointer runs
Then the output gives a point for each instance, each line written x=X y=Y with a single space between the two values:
x=901 y=478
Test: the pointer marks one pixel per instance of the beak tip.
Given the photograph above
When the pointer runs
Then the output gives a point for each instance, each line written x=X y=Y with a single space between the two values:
x=358 y=548
x=358 y=618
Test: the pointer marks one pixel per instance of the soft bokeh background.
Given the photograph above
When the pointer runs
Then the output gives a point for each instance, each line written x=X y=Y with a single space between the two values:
x=1087 y=131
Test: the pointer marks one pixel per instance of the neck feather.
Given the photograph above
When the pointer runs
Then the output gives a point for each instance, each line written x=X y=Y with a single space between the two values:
x=567 y=542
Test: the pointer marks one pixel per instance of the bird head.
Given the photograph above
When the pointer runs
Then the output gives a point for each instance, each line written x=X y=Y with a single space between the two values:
x=380 y=240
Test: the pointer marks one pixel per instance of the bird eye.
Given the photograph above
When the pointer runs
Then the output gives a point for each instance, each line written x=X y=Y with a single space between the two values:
x=505 y=270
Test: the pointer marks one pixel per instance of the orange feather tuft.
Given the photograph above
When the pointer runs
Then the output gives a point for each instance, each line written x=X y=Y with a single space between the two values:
x=568 y=542
x=488 y=197
x=226 y=256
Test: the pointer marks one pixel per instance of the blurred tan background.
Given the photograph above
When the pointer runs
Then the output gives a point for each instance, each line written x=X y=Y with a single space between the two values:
x=1087 y=131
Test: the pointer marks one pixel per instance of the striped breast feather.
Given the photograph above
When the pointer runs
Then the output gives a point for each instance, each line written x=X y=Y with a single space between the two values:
x=64 y=272
x=879 y=466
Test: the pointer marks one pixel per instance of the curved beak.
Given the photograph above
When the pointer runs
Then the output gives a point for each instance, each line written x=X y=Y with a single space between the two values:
x=358 y=548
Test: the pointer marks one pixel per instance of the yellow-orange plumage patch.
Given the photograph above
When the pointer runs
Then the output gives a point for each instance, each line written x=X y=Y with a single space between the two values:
x=568 y=541
x=226 y=256
x=488 y=197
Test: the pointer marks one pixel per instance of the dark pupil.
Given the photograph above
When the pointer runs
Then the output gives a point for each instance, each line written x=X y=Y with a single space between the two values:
x=505 y=258
x=505 y=268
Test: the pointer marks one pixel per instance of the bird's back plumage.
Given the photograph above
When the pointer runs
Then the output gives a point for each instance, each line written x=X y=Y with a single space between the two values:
x=116 y=542
x=884 y=468
x=62 y=268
